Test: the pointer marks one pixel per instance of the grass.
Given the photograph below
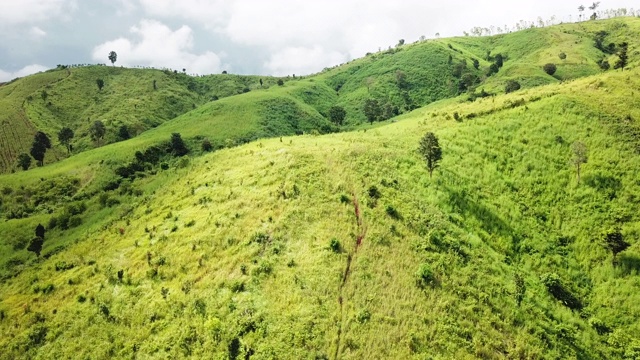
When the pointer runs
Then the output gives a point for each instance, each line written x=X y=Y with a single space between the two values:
x=230 y=253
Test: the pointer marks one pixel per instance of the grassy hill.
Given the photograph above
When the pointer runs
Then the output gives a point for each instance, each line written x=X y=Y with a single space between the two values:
x=341 y=245
x=128 y=98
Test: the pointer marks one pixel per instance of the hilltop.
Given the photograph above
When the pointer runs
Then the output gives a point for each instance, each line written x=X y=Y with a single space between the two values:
x=340 y=245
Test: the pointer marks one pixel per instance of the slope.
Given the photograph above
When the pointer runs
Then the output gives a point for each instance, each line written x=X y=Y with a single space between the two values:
x=138 y=99
x=341 y=246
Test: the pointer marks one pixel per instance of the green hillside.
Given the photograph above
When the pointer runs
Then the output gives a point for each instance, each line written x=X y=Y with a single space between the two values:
x=128 y=98
x=340 y=245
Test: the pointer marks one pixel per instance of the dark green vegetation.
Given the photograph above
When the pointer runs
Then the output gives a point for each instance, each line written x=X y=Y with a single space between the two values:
x=523 y=244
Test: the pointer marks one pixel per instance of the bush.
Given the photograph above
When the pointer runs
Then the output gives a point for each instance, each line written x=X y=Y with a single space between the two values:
x=550 y=68
x=335 y=245
x=280 y=82
x=391 y=211
x=424 y=276
x=512 y=86
x=557 y=289
x=562 y=56
x=206 y=145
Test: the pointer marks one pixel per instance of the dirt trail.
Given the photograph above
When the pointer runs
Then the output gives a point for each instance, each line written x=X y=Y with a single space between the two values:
x=361 y=233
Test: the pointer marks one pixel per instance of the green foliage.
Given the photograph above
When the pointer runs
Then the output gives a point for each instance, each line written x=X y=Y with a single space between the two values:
x=511 y=86
x=337 y=115
x=178 y=146
x=615 y=242
x=123 y=133
x=623 y=58
x=24 y=161
x=35 y=245
x=97 y=130
x=206 y=145
x=372 y=110
x=39 y=147
x=113 y=57
x=430 y=151
x=100 y=84
x=550 y=68
x=335 y=245
x=424 y=276
x=580 y=155
x=562 y=56
x=556 y=288
x=65 y=135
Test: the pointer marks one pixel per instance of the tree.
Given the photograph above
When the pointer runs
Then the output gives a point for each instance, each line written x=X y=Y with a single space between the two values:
x=113 y=57
x=579 y=155
x=177 y=145
x=476 y=64
x=337 y=114
x=64 y=136
x=499 y=60
x=40 y=231
x=430 y=151
x=400 y=42
x=623 y=59
x=550 y=68
x=260 y=82
x=123 y=133
x=44 y=95
x=36 y=245
x=562 y=56
x=39 y=147
x=372 y=110
x=512 y=86
x=493 y=69
x=401 y=80
x=24 y=160
x=581 y=9
x=280 y=82
x=615 y=242
x=97 y=130
x=206 y=145
x=100 y=84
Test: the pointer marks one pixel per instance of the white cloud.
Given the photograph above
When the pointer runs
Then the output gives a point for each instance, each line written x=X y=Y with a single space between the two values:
x=27 y=70
x=33 y=11
x=302 y=60
x=159 y=46
x=207 y=13
x=36 y=32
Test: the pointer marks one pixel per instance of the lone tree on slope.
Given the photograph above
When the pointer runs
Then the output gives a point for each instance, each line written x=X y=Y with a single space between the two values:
x=64 y=136
x=100 y=84
x=623 y=58
x=615 y=242
x=430 y=151
x=579 y=155
x=39 y=147
x=113 y=57
x=177 y=145
x=40 y=231
x=372 y=110
x=36 y=245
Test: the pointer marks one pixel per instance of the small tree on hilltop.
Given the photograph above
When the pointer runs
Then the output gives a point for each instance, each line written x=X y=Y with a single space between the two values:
x=24 y=160
x=113 y=57
x=623 y=58
x=550 y=68
x=64 y=136
x=337 y=115
x=100 y=84
x=39 y=147
x=177 y=145
x=430 y=151
x=579 y=155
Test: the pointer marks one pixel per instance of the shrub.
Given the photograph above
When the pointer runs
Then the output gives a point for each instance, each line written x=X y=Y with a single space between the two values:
x=280 y=82
x=424 y=276
x=335 y=245
x=557 y=290
x=512 y=86
x=550 y=68
x=562 y=56
x=391 y=211
x=206 y=145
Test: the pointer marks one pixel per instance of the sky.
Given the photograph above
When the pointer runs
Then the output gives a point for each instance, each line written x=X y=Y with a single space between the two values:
x=263 y=37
